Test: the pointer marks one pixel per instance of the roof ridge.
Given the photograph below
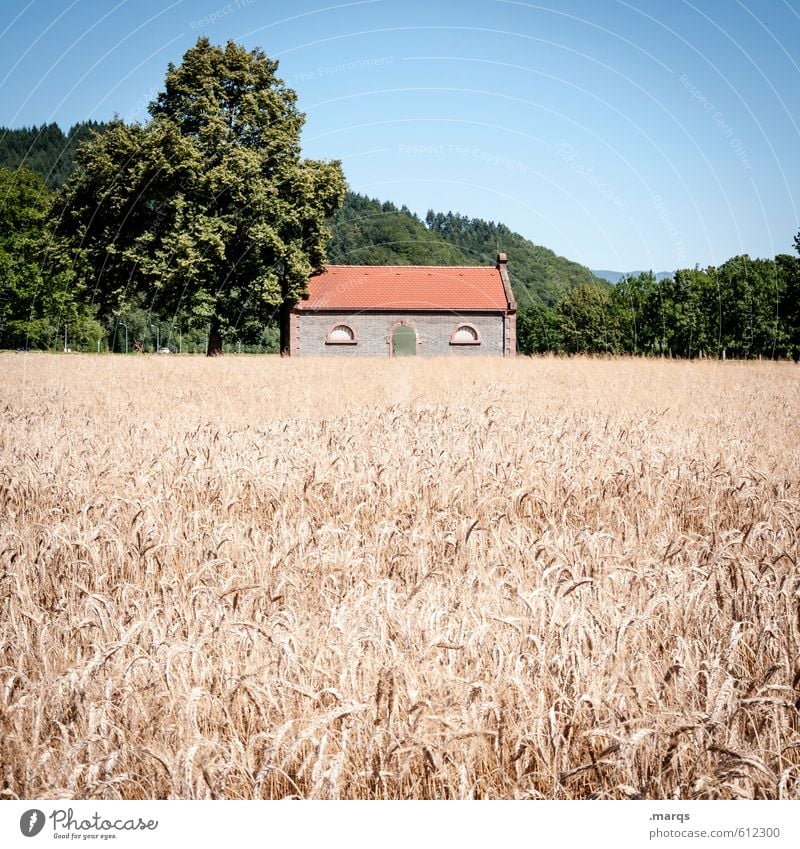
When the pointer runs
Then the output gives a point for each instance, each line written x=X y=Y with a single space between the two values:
x=346 y=265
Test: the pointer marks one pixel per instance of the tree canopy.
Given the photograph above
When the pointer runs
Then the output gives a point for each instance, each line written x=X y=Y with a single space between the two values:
x=207 y=210
x=744 y=308
x=367 y=231
x=22 y=214
x=39 y=295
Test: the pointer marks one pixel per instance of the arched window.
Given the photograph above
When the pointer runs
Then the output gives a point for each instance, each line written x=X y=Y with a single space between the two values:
x=465 y=334
x=341 y=334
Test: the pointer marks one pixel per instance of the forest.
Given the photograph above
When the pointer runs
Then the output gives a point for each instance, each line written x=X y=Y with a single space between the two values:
x=745 y=308
x=47 y=150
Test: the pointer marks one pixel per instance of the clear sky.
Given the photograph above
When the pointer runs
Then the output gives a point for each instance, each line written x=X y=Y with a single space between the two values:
x=624 y=134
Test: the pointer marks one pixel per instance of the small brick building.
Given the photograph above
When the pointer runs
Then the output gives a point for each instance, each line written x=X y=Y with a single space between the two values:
x=402 y=310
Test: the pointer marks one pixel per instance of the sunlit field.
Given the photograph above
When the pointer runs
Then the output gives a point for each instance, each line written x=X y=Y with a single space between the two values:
x=260 y=578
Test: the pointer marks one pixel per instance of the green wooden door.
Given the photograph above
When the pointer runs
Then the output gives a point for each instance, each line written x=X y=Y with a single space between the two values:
x=404 y=341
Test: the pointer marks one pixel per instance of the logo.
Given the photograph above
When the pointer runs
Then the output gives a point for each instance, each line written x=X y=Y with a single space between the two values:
x=66 y=825
x=31 y=822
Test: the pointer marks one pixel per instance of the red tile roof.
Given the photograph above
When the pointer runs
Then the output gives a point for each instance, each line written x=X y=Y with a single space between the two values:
x=406 y=287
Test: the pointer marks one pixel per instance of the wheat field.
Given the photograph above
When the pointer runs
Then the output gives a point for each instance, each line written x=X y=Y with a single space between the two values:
x=264 y=578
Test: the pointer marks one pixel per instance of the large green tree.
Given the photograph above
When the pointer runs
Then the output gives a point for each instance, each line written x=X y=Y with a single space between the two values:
x=789 y=274
x=39 y=297
x=588 y=321
x=23 y=207
x=208 y=210
x=538 y=330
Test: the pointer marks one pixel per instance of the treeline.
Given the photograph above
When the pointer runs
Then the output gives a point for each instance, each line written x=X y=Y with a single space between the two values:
x=539 y=275
x=367 y=231
x=745 y=308
x=46 y=150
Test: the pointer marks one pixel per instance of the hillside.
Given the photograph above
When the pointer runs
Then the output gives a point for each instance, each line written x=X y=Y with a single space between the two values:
x=539 y=275
x=47 y=150
x=371 y=232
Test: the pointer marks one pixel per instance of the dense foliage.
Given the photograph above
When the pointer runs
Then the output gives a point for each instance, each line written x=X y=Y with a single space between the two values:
x=539 y=276
x=41 y=302
x=208 y=210
x=371 y=232
x=745 y=308
x=47 y=150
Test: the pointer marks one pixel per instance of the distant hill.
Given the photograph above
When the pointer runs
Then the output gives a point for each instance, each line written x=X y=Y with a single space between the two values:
x=538 y=274
x=370 y=232
x=47 y=150
x=616 y=276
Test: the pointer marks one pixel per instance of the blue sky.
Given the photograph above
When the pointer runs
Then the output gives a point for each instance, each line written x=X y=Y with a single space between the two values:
x=623 y=134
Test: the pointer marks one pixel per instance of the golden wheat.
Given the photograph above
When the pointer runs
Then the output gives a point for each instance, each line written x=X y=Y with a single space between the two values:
x=259 y=578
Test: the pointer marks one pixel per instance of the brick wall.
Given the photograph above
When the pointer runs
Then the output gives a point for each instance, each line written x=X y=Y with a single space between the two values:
x=373 y=329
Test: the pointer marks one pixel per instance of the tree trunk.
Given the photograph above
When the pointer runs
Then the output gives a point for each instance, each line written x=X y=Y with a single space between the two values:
x=214 y=339
x=285 y=341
